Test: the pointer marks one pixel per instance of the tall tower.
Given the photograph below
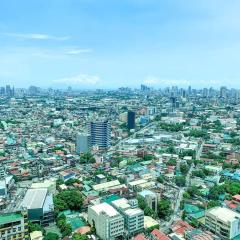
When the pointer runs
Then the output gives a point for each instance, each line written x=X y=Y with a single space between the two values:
x=131 y=120
x=83 y=143
x=100 y=132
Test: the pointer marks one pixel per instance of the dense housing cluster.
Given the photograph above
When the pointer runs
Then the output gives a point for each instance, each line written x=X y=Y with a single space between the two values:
x=124 y=164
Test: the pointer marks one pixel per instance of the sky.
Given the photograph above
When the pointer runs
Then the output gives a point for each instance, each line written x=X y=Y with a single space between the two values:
x=90 y=44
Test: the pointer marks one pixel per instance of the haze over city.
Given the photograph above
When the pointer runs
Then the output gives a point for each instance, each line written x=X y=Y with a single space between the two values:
x=119 y=120
x=91 y=44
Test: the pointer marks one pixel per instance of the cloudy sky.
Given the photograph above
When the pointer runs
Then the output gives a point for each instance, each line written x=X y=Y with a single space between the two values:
x=112 y=43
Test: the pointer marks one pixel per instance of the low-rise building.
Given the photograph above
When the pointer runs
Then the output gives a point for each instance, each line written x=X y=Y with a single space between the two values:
x=223 y=222
x=39 y=204
x=150 y=198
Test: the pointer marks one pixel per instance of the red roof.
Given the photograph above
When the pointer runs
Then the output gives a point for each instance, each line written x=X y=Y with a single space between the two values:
x=159 y=235
x=231 y=204
x=140 y=237
x=180 y=227
x=237 y=198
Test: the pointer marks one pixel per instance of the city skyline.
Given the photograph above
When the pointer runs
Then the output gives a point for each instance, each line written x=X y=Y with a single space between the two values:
x=89 y=45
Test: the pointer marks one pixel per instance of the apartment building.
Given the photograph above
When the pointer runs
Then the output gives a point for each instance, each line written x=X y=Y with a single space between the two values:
x=223 y=222
x=14 y=226
x=100 y=132
x=133 y=216
x=108 y=222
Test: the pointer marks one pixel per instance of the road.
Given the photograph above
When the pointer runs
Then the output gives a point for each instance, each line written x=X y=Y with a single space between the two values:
x=122 y=141
x=199 y=152
x=176 y=211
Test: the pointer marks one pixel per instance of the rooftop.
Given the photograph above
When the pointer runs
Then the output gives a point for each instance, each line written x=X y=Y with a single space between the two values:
x=133 y=211
x=146 y=192
x=106 y=208
x=34 y=198
x=105 y=185
x=9 y=217
x=228 y=214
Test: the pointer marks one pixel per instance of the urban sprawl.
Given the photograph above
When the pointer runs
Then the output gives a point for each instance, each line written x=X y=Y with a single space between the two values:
x=120 y=164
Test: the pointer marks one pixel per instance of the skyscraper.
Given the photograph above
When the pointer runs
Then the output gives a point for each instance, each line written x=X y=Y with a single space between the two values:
x=131 y=120
x=83 y=143
x=100 y=132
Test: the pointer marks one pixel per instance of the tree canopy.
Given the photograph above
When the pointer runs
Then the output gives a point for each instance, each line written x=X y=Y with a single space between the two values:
x=68 y=199
x=164 y=208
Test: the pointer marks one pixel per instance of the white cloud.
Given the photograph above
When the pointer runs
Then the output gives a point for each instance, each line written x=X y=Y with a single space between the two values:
x=76 y=51
x=80 y=78
x=37 y=36
x=153 y=80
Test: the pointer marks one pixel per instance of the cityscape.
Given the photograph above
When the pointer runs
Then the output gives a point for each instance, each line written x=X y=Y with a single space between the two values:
x=120 y=164
x=119 y=120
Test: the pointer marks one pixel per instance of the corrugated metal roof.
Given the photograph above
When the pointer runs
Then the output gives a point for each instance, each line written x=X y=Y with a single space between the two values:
x=34 y=198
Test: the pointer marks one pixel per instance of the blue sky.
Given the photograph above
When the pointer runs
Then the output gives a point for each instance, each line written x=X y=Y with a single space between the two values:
x=113 y=43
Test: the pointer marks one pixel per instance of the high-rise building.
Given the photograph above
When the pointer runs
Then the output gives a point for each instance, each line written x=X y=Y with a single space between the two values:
x=205 y=92
x=223 y=222
x=144 y=88
x=189 y=90
x=108 y=222
x=100 y=132
x=14 y=226
x=33 y=90
x=2 y=90
x=131 y=120
x=9 y=91
x=223 y=92
x=83 y=143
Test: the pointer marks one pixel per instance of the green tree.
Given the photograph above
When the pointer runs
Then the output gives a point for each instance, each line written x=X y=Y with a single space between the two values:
x=35 y=227
x=212 y=204
x=172 y=162
x=64 y=227
x=68 y=199
x=164 y=208
x=51 y=236
x=198 y=173
x=215 y=192
x=71 y=181
x=148 y=157
x=232 y=187
x=186 y=195
x=78 y=236
x=160 y=179
x=184 y=168
x=195 y=223
x=148 y=211
x=67 y=230
x=180 y=181
x=141 y=202
x=87 y=158
x=193 y=190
